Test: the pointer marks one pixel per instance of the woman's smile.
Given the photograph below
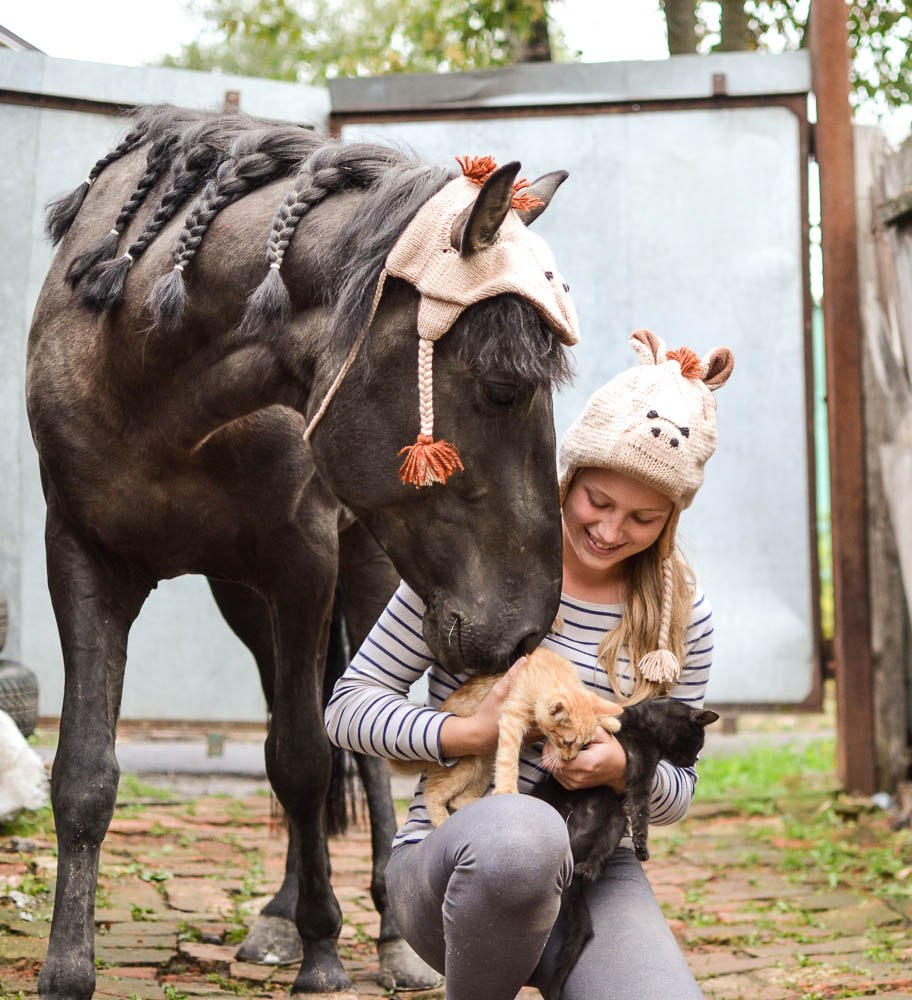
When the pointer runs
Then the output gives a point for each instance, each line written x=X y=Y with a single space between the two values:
x=602 y=548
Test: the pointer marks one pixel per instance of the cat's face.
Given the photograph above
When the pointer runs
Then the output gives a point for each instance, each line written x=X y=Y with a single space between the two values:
x=567 y=723
x=680 y=730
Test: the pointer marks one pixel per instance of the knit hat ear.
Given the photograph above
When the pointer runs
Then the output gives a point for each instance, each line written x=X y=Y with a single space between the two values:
x=649 y=347
x=716 y=367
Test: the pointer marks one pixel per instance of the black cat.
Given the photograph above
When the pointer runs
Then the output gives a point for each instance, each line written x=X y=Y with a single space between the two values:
x=597 y=818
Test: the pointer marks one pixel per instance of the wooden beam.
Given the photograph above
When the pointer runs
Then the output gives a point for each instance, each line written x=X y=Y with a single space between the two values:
x=845 y=404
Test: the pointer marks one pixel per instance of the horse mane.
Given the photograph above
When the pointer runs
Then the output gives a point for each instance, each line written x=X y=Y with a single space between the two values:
x=217 y=158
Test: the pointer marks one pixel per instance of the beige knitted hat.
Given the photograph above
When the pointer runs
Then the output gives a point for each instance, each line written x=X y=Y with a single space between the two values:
x=451 y=275
x=656 y=423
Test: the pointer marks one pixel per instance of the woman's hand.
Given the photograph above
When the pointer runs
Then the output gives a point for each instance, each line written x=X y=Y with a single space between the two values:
x=477 y=733
x=603 y=762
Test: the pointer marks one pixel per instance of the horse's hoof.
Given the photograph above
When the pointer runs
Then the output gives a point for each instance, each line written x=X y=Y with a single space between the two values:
x=321 y=973
x=401 y=968
x=271 y=941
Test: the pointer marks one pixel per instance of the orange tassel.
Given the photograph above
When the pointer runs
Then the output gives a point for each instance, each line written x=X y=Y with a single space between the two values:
x=691 y=366
x=477 y=168
x=521 y=201
x=428 y=461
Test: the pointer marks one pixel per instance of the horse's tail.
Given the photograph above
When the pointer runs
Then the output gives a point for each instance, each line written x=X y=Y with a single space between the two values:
x=345 y=801
x=577 y=924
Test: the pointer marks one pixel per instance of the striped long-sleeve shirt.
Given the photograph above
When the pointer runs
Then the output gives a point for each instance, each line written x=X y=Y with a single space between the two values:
x=370 y=711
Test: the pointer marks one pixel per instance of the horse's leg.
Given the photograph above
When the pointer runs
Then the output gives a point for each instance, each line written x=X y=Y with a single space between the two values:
x=273 y=939
x=367 y=581
x=299 y=580
x=96 y=599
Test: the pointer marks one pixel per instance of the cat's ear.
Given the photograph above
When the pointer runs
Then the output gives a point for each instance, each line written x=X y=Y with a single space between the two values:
x=556 y=709
x=706 y=716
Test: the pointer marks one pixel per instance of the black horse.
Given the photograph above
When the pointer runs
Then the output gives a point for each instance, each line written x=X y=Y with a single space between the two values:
x=169 y=430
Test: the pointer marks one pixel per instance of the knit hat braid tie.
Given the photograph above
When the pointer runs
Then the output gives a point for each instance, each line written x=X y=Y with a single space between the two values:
x=428 y=461
x=661 y=666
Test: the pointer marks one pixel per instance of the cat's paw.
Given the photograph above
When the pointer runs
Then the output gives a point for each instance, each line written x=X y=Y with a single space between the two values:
x=584 y=870
x=610 y=723
x=641 y=851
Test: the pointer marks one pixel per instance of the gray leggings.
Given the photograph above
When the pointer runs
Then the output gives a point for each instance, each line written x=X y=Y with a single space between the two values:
x=478 y=898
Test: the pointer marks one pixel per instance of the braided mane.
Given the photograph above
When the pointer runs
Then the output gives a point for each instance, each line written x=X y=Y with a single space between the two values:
x=210 y=160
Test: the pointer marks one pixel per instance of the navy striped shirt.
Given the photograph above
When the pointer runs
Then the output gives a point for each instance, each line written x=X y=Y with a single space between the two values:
x=370 y=711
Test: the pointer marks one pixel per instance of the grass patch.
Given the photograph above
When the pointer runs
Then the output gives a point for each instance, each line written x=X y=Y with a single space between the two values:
x=30 y=823
x=767 y=772
x=131 y=789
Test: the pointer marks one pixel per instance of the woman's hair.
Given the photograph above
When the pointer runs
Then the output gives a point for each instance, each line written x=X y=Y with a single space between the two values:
x=638 y=630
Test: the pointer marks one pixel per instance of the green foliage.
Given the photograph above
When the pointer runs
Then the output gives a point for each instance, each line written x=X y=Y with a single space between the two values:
x=766 y=772
x=879 y=33
x=313 y=40
x=130 y=789
x=29 y=823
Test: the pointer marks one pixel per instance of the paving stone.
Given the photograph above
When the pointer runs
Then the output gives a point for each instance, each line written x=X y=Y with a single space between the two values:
x=858 y=917
x=210 y=956
x=724 y=963
x=133 y=956
x=19 y=948
x=741 y=987
x=121 y=987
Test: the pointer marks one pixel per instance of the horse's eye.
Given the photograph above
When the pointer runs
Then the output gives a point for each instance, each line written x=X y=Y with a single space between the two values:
x=501 y=393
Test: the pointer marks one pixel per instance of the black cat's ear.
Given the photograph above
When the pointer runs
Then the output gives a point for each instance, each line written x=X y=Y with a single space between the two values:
x=555 y=709
x=706 y=716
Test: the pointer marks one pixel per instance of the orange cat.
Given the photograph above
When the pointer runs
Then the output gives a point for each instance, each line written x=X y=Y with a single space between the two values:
x=545 y=693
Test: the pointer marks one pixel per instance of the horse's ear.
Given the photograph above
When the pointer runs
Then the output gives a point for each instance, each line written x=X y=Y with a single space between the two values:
x=717 y=366
x=542 y=188
x=476 y=227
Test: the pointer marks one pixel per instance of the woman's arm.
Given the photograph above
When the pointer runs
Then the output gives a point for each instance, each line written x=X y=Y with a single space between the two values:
x=369 y=711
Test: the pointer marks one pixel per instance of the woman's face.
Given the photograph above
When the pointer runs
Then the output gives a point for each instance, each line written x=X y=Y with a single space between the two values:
x=609 y=517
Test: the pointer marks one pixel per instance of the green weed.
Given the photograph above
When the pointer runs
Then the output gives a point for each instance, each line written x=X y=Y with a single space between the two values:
x=767 y=772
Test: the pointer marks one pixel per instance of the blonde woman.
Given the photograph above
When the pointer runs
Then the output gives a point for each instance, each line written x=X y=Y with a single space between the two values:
x=478 y=896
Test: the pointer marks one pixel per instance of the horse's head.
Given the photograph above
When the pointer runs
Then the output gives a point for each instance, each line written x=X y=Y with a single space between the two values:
x=483 y=547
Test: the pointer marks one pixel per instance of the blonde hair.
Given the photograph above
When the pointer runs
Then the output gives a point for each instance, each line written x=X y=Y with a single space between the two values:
x=638 y=630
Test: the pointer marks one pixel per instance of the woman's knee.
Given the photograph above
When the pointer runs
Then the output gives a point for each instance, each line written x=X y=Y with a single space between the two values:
x=524 y=844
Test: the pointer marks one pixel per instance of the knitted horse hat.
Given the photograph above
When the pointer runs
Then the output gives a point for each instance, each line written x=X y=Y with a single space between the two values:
x=457 y=251
x=656 y=423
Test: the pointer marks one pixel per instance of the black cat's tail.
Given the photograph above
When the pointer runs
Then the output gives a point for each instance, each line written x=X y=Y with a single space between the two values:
x=576 y=922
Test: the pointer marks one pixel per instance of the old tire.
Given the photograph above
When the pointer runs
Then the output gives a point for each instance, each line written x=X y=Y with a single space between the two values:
x=19 y=695
x=4 y=620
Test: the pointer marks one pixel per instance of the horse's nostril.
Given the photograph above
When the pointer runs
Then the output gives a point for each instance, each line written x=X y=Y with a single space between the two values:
x=524 y=646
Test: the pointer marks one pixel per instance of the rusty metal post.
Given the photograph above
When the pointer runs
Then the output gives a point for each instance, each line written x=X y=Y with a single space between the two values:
x=845 y=405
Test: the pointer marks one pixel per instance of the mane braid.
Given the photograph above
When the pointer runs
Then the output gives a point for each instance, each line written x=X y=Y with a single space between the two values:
x=255 y=158
x=156 y=165
x=331 y=168
x=149 y=124
x=200 y=152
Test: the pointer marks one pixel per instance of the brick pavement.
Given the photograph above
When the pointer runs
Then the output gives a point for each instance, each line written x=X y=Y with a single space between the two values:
x=761 y=913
